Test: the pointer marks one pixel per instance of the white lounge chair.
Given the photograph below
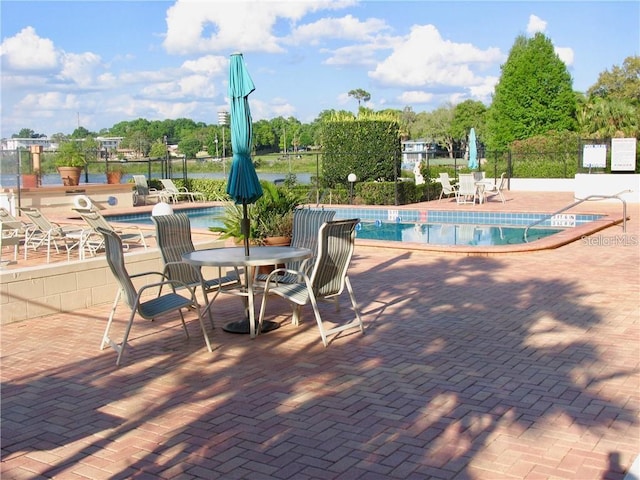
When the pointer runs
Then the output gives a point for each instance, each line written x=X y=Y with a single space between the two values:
x=182 y=192
x=45 y=232
x=142 y=191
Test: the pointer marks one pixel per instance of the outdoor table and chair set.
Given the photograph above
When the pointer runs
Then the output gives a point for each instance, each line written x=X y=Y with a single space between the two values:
x=315 y=268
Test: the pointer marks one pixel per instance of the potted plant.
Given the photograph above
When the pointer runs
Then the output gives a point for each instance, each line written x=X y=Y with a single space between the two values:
x=114 y=173
x=270 y=217
x=70 y=161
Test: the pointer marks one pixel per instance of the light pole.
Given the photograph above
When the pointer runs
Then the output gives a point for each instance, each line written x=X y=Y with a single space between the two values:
x=222 y=121
x=216 y=141
x=352 y=179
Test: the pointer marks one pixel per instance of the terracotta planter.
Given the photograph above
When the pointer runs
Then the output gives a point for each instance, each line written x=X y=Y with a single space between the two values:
x=274 y=242
x=114 y=177
x=30 y=180
x=70 y=175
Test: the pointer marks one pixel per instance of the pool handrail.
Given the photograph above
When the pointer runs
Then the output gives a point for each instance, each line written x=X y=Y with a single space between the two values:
x=578 y=202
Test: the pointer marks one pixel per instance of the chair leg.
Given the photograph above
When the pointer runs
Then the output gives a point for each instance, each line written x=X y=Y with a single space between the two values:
x=105 y=338
x=354 y=304
x=204 y=331
x=316 y=312
x=123 y=345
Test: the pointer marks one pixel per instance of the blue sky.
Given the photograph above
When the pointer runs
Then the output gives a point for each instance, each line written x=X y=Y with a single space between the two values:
x=96 y=63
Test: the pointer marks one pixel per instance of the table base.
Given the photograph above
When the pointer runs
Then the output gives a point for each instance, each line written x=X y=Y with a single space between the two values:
x=242 y=326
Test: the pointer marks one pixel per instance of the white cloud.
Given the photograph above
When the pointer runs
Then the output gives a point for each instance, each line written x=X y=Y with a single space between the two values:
x=415 y=97
x=347 y=27
x=27 y=51
x=535 y=25
x=565 y=54
x=80 y=68
x=424 y=58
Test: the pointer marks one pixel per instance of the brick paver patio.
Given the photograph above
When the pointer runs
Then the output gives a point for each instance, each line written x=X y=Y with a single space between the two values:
x=522 y=366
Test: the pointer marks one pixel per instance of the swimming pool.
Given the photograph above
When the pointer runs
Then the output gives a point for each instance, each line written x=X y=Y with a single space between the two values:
x=433 y=227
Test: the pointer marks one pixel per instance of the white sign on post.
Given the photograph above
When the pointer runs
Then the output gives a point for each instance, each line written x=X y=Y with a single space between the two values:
x=594 y=156
x=623 y=154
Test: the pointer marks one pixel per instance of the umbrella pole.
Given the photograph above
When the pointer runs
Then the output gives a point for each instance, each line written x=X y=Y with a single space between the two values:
x=244 y=226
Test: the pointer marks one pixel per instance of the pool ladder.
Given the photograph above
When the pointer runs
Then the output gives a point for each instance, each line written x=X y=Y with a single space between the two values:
x=578 y=202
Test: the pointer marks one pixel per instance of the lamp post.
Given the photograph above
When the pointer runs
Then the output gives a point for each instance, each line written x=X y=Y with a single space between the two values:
x=222 y=121
x=216 y=141
x=352 y=179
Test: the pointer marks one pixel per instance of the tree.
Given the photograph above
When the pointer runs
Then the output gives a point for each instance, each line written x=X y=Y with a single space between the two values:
x=190 y=147
x=622 y=83
x=534 y=94
x=360 y=95
x=466 y=115
x=27 y=133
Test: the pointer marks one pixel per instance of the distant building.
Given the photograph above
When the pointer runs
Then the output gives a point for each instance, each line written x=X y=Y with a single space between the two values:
x=27 y=143
x=109 y=143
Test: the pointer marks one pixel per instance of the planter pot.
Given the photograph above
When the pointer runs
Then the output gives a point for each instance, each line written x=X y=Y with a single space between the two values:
x=70 y=175
x=30 y=180
x=114 y=177
x=274 y=242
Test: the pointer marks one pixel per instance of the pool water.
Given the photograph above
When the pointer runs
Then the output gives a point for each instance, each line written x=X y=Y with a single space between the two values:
x=450 y=234
x=447 y=229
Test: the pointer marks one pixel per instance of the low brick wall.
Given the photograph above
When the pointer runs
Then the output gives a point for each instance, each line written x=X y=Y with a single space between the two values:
x=34 y=292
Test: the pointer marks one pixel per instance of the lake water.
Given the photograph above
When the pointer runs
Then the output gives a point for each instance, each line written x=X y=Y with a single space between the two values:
x=54 y=178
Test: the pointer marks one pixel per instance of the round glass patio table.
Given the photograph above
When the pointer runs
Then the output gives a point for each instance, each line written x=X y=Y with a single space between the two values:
x=235 y=257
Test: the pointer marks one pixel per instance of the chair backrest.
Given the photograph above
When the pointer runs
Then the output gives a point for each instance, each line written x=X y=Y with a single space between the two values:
x=141 y=184
x=306 y=225
x=169 y=186
x=445 y=181
x=503 y=181
x=336 y=241
x=94 y=219
x=173 y=235
x=479 y=176
x=115 y=259
x=5 y=216
x=39 y=220
x=466 y=184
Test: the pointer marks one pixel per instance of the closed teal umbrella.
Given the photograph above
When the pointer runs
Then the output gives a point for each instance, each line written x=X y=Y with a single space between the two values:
x=473 y=150
x=243 y=185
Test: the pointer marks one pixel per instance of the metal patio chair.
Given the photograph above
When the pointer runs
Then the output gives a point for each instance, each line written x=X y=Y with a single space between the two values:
x=306 y=225
x=327 y=280
x=147 y=308
x=173 y=234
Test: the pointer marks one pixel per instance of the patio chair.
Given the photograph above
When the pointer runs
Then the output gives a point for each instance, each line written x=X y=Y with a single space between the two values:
x=447 y=188
x=182 y=192
x=306 y=225
x=491 y=190
x=10 y=235
x=45 y=232
x=467 y=189
x=327 y=279
x=173 y=234
x=142 y=190
x=93 y=241
x=150 y=308
x=6 y=216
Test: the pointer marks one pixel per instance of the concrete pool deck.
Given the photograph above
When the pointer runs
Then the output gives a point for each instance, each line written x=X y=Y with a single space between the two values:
x=472 y=367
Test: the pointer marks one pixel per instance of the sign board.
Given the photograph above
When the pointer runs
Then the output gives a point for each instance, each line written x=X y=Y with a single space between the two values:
x=623 y=154
x=594 y=156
